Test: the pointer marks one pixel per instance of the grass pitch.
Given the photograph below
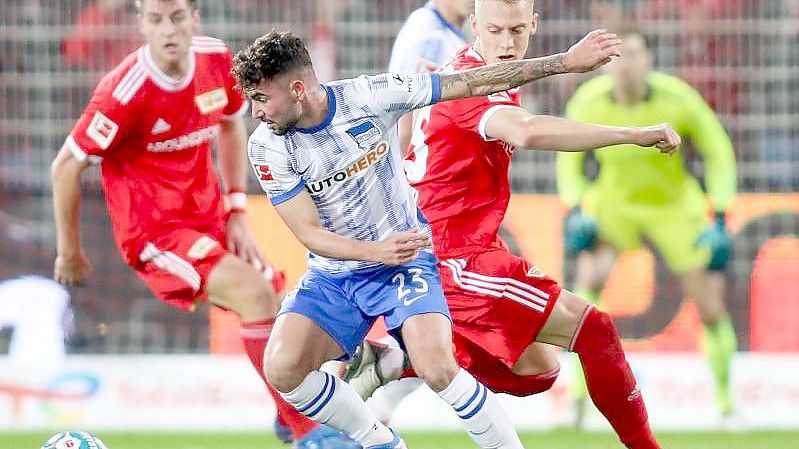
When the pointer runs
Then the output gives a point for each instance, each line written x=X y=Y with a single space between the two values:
x=544 y=440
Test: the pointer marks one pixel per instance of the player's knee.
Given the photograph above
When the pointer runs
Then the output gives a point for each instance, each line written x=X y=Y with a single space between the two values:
x=255 y=301
x=542 y=363
x=712 y=318
x=284 y=372
x=437 y=375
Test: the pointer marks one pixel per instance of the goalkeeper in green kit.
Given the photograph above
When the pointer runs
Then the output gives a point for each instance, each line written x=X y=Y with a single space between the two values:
x=640 y=194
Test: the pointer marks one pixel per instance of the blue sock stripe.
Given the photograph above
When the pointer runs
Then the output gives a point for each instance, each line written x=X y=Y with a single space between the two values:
x=316 y=399
x=479 y=406
x=474 y=395
x=327 y=399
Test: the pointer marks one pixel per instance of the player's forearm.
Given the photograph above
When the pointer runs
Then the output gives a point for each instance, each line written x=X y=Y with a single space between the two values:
x=328 y=244
x=499 y=77
x=543 y=132
x=66 y=205
x=232 y=157
x=720 y=167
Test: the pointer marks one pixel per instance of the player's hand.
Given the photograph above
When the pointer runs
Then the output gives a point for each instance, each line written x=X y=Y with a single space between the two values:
x=240 y=241
x=71 y=270
x=401 y=248
x=719 y=241
x=579 y=232
x=663 y=137
x=594 y=50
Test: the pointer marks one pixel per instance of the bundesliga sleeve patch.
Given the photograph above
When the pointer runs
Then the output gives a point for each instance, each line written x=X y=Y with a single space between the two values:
x=268 y=182
x=263 y=172
x=102 y=130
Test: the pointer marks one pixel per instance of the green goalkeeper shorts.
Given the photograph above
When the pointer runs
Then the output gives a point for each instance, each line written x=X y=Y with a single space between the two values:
x=672 y=227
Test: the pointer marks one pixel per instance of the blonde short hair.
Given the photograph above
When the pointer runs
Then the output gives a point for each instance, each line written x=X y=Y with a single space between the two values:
x=138 y=4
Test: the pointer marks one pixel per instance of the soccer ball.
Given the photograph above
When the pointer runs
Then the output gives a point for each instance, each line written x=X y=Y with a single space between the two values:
x=73 y=439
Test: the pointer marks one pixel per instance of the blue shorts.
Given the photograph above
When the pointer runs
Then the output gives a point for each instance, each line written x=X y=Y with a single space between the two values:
x=346 y=305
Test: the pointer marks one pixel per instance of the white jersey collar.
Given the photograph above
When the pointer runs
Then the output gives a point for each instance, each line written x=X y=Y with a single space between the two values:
x=160 y=78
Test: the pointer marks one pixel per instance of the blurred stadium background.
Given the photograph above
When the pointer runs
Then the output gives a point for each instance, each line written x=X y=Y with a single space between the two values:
x=742 y=55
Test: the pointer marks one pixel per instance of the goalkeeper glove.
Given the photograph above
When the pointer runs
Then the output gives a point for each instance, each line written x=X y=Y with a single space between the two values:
x=719 y=241
x=579 y=232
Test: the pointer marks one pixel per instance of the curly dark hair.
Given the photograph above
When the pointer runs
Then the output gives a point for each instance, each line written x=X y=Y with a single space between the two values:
x=270 y=55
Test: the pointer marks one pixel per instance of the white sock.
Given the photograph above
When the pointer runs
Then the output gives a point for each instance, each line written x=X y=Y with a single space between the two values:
x=385 y=400
x=327 y=399
x=480 y=413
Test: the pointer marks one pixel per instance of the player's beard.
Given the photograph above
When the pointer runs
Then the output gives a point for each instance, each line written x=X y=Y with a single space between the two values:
x=282 y=130
x=291 y=123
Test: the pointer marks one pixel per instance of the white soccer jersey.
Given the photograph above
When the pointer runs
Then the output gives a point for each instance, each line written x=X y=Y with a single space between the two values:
x=350 y=164
x=37 y=310
x=426 y=35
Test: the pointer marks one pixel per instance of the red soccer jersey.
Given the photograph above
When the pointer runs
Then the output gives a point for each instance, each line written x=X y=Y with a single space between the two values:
x=152 y=136
x=460 y=174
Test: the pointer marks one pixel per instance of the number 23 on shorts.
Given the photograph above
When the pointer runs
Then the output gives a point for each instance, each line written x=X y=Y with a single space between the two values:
x=411 y=286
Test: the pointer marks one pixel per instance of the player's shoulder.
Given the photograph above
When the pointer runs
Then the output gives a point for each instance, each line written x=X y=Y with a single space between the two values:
x=209 y=45
x=262 y=140
x=123 y=82
x=359 y=88
x=670 y=84
x=421 y=19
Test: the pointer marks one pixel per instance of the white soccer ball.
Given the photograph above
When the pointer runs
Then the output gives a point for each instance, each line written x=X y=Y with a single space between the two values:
x=74 y=439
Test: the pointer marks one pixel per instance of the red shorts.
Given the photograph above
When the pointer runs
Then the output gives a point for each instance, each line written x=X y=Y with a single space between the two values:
x=176 y=266
x=499 y=302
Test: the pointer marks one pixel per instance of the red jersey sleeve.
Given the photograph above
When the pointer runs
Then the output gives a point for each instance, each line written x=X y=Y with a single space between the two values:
x=472 y=114
x=237 y=105
x=102 y=126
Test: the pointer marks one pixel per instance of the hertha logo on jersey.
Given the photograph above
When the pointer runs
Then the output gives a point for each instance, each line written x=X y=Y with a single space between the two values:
x=365 y=134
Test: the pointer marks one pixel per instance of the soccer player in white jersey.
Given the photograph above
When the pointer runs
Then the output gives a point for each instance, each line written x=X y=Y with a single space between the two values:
x=327 y=157
x=430 y=35
x=428 y=38
x=37 y=311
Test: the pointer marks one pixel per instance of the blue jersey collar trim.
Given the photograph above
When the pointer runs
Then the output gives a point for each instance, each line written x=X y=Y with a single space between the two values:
x=331 y=112
x=445 y=22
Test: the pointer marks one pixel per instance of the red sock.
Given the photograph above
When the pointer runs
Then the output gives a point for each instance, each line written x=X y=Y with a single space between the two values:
x=255 y=336
x=610 y=381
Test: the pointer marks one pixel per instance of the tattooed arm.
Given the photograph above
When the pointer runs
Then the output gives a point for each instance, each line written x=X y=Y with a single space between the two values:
x=596 y=49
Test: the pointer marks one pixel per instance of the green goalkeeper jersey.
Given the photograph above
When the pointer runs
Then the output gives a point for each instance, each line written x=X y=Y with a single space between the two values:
x=642 y=175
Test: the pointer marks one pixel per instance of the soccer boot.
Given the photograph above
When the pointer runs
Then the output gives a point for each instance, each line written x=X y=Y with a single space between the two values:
x=324 y=437
x=282 y=432
x=366 y=371
x=395 y=443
